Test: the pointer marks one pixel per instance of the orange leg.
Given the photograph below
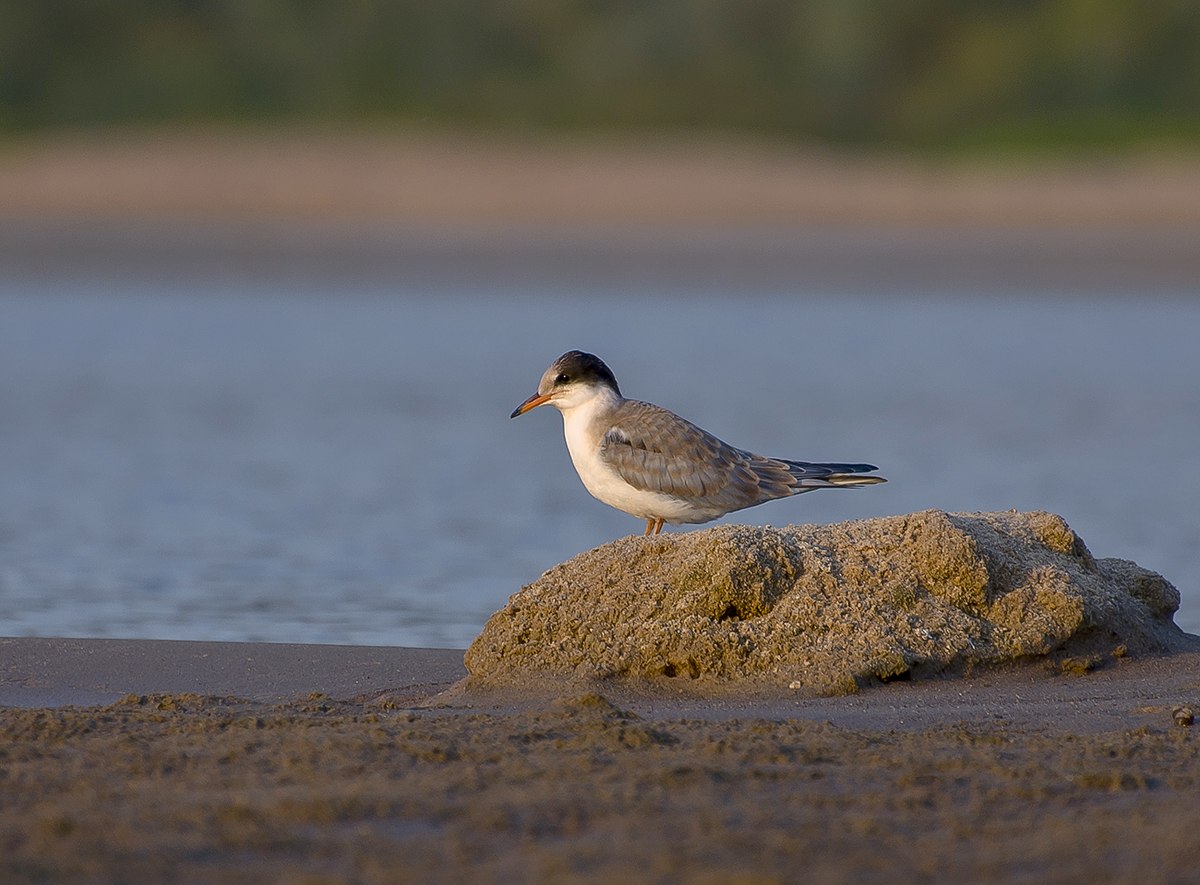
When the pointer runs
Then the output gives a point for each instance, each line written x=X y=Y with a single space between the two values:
x=649 y=528
x=658 y=524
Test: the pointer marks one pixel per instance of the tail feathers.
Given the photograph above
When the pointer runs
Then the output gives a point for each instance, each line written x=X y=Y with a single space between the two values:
x=810 y=475
x=835 y=467
x=849 y=481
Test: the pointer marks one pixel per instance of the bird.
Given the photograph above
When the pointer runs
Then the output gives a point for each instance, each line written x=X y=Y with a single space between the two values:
x=650 y=463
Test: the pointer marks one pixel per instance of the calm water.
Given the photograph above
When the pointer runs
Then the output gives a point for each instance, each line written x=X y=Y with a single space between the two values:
x=248 y=463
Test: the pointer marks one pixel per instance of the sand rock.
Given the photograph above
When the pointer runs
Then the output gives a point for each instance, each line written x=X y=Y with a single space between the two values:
x=826 y=607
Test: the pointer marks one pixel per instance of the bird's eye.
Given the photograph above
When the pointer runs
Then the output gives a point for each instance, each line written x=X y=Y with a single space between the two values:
x=562 y=378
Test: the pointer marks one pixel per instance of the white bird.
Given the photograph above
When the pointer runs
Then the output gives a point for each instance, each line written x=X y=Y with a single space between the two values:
x=652 y=464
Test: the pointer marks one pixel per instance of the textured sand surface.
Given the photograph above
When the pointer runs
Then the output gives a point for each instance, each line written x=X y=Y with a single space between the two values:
x=830 y=608
x=186 y=787
x=1016 y=774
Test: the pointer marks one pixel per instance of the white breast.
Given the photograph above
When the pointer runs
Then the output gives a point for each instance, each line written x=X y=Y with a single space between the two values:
x=584 y=426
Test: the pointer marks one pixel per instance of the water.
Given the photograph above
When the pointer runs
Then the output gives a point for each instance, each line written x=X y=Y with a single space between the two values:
x=248 y=462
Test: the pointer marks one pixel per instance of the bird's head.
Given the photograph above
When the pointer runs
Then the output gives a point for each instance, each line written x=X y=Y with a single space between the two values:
x=572 y=379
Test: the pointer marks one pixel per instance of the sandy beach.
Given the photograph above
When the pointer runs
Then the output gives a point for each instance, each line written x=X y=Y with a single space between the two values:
x=228 y=762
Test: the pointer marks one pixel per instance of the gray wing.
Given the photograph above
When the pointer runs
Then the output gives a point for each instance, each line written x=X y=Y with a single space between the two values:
x=655 y=450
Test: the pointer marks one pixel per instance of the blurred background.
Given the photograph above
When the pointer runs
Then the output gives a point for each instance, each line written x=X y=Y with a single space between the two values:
x=950 y=74
x=273 y=274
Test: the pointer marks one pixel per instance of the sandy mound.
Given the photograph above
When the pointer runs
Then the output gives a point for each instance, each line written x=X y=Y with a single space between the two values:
x=826 y=607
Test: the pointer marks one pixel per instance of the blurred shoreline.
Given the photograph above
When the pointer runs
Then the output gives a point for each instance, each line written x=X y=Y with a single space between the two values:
x=414 y=210
x=447 y=179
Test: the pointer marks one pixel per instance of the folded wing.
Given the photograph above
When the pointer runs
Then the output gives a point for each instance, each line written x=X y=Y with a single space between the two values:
x=655 y=450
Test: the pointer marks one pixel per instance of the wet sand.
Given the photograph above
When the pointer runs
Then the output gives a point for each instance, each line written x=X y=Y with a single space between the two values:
x=233 y=762
x=94 y=672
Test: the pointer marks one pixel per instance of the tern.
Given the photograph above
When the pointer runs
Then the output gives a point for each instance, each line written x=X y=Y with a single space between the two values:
x=652 y=464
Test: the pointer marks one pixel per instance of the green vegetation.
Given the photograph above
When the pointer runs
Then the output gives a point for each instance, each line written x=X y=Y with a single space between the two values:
x=919 y=73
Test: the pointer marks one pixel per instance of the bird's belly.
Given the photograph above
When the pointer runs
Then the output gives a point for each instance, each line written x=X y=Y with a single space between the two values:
x=606 y=485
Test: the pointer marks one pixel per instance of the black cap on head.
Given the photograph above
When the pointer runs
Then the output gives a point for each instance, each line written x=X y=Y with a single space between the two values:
x=575 y=365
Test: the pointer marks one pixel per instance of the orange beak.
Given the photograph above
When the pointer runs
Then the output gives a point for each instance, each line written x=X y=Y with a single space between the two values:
x=538 y=399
